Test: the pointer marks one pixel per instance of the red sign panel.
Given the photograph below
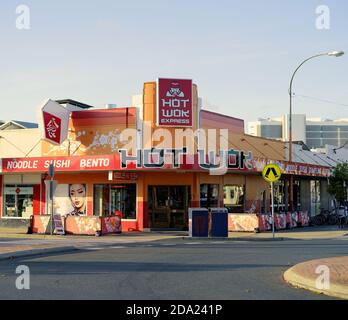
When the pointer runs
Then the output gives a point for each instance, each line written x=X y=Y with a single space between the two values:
x=125 y=176
x=174 y=103
x=61 y=164
x=113 y=163
x=52 y=127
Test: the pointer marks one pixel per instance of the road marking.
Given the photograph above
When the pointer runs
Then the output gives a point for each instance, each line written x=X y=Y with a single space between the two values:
x=193 y=243
x=217 y=242
x=99 y=248
x=118 y=247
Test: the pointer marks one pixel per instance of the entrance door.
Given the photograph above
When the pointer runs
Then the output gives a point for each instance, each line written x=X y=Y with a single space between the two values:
x=168 y=206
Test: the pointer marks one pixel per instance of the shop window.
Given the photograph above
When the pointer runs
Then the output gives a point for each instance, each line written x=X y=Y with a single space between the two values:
x=18 y=201
x=209 y=195
x=263 y=202
x=297 y=195
x=315 y=197
x=110 y=199
x=101 y=202
x=234 y=198
x=279 y=196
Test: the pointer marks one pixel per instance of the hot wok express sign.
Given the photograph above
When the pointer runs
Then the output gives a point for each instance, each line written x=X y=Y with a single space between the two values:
x=174 y=103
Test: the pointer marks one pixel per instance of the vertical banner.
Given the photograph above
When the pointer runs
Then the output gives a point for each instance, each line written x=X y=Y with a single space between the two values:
x=55 y=122
x=174 y=103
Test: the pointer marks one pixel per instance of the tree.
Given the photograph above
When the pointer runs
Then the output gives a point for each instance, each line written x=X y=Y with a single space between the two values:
x=338 y=183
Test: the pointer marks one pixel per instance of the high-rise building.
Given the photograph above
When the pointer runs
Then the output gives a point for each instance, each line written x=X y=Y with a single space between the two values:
x=314 y=132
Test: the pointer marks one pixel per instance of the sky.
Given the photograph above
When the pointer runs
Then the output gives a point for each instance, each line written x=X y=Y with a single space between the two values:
x=241 y=54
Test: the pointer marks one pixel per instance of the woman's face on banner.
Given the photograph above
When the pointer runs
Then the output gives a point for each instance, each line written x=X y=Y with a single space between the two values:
x=78 y=196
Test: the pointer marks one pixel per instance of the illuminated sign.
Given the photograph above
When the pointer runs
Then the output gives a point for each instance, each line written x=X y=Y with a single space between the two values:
x=174 y=103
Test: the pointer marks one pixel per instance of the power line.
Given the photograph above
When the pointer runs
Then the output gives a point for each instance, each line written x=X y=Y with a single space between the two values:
x=321 y=100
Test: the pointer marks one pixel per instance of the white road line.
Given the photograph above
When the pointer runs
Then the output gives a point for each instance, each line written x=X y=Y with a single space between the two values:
x=193 y=243
x=217 y=242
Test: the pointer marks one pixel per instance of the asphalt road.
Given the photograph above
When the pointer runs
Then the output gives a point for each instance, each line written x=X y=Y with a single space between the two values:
x=171 y=269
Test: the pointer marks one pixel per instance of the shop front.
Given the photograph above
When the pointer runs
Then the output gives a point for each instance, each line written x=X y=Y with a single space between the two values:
x=145 y=199
x=101 y=175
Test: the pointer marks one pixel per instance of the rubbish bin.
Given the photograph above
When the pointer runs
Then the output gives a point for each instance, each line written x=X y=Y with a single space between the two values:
x=219 y=222
x=198 y=223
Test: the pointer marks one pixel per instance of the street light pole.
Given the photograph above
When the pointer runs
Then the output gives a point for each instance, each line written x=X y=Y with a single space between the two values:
x=330 y=54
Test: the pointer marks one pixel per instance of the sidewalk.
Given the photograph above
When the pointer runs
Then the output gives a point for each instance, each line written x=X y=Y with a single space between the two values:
x=307 y=233
x=14 y=242
x=304 y=276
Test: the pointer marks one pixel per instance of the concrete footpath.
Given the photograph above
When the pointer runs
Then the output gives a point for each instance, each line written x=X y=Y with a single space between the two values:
x=310 y=275
x=14 y=242
x=307 y=233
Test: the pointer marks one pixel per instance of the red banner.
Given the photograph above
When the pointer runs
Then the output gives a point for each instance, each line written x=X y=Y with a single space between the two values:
x=174 y=103
x=90 y=163
x=112 y=162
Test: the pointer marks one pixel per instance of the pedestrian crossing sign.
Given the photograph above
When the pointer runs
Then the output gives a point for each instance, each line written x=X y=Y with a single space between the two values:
x=271 y=173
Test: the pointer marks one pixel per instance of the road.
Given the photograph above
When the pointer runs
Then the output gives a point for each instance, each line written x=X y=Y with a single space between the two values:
x=170 y=269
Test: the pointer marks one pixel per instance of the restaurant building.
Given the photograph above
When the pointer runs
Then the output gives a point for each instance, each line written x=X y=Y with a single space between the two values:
x=97 y=179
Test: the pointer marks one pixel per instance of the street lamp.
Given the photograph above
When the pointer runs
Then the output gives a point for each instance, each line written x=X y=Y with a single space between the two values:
x=330 y=54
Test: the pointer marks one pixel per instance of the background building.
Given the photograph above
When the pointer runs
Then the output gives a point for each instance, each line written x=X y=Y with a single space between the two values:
x=314 y=132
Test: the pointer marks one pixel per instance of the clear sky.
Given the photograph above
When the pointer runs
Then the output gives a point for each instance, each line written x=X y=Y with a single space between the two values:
x=240 y=53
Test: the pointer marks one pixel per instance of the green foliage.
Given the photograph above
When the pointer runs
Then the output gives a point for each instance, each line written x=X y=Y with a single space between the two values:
x=338 y=183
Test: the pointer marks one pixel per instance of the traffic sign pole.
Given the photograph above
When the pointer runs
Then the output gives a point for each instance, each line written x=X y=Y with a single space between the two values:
x=272 y=201
x=272 y=173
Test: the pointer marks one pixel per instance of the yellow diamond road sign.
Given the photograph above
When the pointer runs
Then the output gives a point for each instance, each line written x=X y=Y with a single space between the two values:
x=271 y=173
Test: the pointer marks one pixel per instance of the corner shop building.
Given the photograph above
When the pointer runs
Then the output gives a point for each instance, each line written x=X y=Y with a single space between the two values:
x=147 y=198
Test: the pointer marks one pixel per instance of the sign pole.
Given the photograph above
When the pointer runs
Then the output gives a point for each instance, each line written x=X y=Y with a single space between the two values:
x=51 y=173
x=271 y=173
x=272 y=200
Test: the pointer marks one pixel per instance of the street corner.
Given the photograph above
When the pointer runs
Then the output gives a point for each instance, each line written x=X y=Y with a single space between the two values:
x=323 y=276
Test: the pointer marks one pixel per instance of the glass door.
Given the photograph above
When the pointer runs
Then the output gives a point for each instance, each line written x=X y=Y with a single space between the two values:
x=168 y=206
x=159 y=210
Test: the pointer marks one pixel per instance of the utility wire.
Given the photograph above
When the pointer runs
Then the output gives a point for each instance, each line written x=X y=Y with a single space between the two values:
x=12 y=144
x=320 y=99
x=33 y=148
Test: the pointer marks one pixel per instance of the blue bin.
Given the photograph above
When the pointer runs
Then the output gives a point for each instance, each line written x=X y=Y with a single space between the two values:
x=199 y=222
x=219 y=223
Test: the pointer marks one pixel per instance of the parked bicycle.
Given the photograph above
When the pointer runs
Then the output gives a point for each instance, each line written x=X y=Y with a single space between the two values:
x=327 y=217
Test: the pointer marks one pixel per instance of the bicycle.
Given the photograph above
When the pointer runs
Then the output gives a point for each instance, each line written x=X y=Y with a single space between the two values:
x=326 y=217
